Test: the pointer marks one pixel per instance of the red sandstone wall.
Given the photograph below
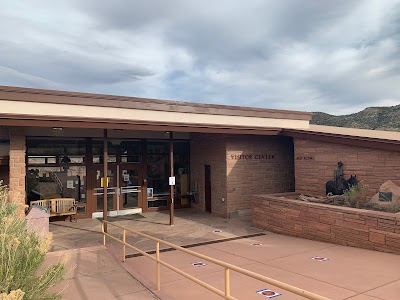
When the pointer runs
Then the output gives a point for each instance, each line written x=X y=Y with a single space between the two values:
x=209 y=149
x=265 y=166
x=373 y=166
x=339 y=225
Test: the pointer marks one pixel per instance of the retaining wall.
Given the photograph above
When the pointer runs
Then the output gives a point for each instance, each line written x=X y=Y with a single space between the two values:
x=334 y=224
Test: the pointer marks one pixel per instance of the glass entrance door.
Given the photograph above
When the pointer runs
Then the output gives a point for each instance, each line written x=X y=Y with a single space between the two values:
x=98 y=190
x=124 y=190
x=130 y=185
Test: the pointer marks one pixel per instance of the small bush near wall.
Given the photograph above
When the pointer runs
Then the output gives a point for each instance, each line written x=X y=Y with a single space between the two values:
x=339 y=225
x=21 y=255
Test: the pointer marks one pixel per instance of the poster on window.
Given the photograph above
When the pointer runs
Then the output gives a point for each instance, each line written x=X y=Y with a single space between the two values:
x=126 y=177
x=149 y=193
x=70 y=184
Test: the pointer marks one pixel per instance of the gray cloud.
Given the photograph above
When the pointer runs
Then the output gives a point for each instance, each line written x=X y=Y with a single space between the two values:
x=337 y=57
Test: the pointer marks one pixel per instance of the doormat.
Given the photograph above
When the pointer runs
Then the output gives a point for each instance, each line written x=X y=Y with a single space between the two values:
x=268 y=293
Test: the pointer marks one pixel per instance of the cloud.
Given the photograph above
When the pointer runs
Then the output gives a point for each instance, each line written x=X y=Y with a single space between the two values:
x=337 y=57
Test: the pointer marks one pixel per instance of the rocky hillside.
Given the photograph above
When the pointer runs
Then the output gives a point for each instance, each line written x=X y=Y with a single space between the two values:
x=379 y=118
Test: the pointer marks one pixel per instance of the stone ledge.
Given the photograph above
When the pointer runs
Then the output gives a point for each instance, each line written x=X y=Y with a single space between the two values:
x=323 y=222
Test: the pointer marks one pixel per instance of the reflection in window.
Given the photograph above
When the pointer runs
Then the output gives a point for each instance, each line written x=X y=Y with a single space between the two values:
x=56 y=169
x=56 y=182
x=158 y=172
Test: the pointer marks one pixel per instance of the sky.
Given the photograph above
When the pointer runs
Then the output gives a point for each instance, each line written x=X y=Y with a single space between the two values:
x=338 y=57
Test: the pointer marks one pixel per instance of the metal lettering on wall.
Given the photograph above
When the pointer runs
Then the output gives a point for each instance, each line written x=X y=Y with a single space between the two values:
x=309 y=157
x=251 y=156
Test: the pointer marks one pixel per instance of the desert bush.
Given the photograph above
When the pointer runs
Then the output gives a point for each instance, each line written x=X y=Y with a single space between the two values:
x=22 y=254
x=394 y=208
x=356 y=196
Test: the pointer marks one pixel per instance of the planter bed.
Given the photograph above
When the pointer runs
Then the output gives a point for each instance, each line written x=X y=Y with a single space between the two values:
x=322 y=222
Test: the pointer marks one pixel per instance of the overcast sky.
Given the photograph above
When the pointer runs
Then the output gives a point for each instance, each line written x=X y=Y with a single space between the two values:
x=333 y=56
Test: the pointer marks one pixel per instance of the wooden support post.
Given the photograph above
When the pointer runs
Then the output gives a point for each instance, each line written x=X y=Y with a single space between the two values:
x=105 y=178
x=171 y=187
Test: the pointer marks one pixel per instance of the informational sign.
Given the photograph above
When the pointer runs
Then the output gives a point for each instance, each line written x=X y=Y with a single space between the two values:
x=256 y=244
x=126 y=177
x=149 y=192
x=385 y=196
x=217 y=231
x=102 y=182
x=199 y=264
x=268 y=293
x=172 y=180
x=70 y=184
x=319 y=258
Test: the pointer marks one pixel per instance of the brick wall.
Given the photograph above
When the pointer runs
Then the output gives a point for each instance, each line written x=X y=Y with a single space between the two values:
x=339 y=225
x=257 y=165
x=319 y=159
x=209 y=149
x=17 y=167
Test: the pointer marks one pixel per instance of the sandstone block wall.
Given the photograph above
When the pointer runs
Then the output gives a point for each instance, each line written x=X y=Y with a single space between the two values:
x=209 y=149
x=257 y=165
x=315 y=162
x=240 y=167
x=17 y=168
x=339 y=225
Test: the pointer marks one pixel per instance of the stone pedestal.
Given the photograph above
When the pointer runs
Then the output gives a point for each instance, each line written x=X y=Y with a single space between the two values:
x=17 y=170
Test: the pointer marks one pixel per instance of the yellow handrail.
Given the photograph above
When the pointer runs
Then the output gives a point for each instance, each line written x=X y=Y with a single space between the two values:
x=225 y=294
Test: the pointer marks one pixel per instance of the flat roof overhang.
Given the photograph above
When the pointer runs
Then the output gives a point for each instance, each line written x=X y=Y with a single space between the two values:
x=33 y=107
x=348 y=136
x=25 y=120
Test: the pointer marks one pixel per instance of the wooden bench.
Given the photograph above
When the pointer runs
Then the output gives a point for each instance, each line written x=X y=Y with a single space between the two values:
x=58 y=207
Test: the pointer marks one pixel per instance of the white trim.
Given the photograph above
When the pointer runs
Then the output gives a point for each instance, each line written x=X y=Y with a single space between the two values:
x=122 y=114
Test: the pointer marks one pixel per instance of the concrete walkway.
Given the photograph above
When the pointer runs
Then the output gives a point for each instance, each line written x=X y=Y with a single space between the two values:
x=93 y=273
x=350 y=273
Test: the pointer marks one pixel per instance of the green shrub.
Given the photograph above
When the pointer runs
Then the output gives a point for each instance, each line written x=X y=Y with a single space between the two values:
x=394 y=208
x=22 y=254
x=356 y=196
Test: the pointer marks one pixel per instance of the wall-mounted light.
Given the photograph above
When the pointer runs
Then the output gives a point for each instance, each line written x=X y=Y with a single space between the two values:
x=167 y=132
x=58 y=128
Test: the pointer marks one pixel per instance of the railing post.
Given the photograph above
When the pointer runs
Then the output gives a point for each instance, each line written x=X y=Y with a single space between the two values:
x=124 y=247
x=158 y=279
x=104 y=235
x=227 y=284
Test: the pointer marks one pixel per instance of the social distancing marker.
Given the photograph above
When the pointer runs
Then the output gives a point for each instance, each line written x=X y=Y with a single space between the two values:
x=319 y=258
x=199 y=264
x=256 y=244
x=268 y=293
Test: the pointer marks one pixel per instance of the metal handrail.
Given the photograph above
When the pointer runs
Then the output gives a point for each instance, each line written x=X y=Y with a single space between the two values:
x=226 y=293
